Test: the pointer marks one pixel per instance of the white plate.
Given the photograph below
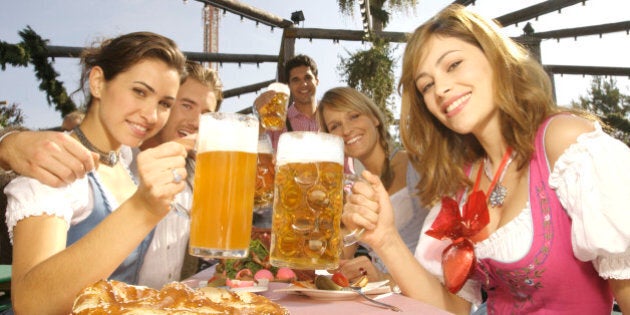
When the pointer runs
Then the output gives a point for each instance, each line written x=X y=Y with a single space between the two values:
x=371 y=288
x=329 y=295
x=252 y=289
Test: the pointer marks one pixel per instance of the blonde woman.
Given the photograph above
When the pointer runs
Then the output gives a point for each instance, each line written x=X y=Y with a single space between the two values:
x=353 y=116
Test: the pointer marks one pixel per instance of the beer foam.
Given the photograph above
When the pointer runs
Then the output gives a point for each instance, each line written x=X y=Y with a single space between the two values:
x=306 y=147
x=264 y=146
x=227 y=132
x=279 y=88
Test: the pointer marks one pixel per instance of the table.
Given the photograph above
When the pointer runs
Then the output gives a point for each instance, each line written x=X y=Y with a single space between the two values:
x=302 y=305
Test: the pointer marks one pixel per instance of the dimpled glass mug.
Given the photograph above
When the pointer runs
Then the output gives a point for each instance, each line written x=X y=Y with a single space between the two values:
x=274 y=113
x=265 y=174
x=306 y=224
x=223 y=193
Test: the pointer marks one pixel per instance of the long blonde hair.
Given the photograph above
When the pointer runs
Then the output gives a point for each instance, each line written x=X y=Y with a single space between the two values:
x=522 y=92
x=348 y=99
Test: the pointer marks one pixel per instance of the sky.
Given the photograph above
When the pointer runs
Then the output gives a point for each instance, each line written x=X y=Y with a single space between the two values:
x=82 y=23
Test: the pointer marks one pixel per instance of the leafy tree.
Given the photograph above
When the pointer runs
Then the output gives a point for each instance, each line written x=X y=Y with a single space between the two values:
x=380 y=10
x=606 y=101
x=10 y=115
x=371 y=72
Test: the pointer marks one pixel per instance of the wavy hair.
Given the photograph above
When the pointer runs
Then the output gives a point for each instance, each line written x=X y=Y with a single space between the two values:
x=522 y=92
x=206 y=76
x=347 y=99
x=118 y=54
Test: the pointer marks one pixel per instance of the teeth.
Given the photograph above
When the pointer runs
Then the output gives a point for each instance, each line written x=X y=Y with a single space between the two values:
x=353 y=140
x=139 y=127
x=457 y=102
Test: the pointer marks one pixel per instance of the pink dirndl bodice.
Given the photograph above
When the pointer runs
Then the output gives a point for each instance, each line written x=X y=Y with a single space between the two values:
x=549 y=279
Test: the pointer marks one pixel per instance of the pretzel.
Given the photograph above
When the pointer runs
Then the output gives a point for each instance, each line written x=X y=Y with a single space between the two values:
x=115 y=297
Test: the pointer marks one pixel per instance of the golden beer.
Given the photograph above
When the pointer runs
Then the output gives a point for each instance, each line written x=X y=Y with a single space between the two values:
x=306 y=222
x=265 y=174
x=224 y=185
x=274 y=113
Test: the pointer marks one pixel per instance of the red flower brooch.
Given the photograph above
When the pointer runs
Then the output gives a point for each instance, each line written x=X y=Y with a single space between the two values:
x=458 y=259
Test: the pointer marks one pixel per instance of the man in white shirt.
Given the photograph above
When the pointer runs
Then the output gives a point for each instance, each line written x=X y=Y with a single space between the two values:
x=199 y=93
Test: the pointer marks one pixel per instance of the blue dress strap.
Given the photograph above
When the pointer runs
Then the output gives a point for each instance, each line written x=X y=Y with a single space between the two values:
x=129 y=269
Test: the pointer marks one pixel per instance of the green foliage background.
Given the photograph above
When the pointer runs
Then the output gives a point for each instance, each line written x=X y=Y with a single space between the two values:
x=33 y=50
x=606 y=101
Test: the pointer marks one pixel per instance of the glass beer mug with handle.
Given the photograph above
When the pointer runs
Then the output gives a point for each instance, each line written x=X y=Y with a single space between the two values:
x=306 y=224
x=348 y=181
x=265 y=174
x=223 y=193
x=273 y=114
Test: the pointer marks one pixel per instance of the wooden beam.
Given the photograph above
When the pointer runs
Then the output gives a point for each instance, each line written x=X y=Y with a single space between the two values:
x=585 y=30
x=287 y=51
x=535 y=11
x=336 y=34
x=464 y=2
x=233 y=58
x=246 y=89
x=250 y=12
x=75 y=52
x=588 y=70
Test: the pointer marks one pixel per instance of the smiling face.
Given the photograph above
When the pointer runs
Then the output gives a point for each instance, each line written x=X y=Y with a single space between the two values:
x=193 y=99
x=135 y=104
x=358 y=130
x=455 y=79
x=303 y=85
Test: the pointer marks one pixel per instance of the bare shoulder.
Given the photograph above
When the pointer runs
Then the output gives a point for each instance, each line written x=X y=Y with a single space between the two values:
x=562 y=132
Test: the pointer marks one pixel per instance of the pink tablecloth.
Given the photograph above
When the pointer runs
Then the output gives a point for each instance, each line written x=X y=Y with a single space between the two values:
x=303 y=305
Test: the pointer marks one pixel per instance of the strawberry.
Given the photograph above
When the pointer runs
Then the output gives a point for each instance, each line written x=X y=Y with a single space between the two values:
x=340 y=279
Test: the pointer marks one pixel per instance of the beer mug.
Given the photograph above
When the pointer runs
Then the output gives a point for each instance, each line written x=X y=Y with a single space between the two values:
x=224 y=185
x=273 y=114
x=263 y=197
x=265 y=173
x=348 y=182
x=306 y=224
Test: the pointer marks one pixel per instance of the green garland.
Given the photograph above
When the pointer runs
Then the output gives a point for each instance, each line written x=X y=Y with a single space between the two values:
x=33 y=49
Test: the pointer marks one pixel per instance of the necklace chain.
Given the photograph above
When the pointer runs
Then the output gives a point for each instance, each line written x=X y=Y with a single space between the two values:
x=108 y=158
x=497 y=196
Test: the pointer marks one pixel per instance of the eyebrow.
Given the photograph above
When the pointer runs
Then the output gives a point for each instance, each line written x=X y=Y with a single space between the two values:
x=152 y=89
x=186 y=99
x=421 y=74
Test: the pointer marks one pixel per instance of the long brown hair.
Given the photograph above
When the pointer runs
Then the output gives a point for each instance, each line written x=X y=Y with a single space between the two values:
x=119 y=54
x=348 y=99
x=522 y=92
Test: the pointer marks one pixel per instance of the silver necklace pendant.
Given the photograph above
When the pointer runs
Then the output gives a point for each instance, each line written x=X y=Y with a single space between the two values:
x=110 y=159
x=498 y=195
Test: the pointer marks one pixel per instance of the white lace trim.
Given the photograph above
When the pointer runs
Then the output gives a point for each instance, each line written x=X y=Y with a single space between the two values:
x=511 y=242
x=28 y=197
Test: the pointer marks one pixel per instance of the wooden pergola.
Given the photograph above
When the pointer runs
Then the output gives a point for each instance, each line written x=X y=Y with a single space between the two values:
x=291 y=33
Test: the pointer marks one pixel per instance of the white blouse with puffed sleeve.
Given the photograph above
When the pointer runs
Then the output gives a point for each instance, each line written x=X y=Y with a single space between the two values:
x=592 y=181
